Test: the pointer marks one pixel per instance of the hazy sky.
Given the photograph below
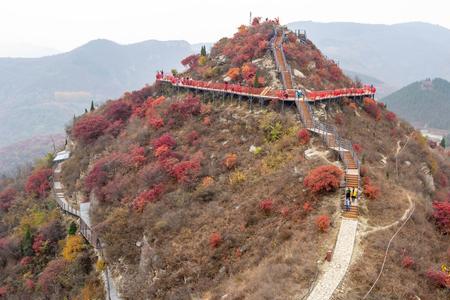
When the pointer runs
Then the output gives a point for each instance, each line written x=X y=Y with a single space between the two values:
x=65 y=24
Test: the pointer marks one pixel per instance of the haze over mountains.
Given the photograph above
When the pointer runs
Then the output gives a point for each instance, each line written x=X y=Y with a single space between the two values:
x=39 y=95
x=395 y=54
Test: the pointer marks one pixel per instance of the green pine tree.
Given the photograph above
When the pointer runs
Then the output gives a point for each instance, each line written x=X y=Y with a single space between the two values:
x=72 y=228
x=256 y=80
x=27 y=243
x=203 y=51
x=92 y=105
x=85 y=111
x=443 y=143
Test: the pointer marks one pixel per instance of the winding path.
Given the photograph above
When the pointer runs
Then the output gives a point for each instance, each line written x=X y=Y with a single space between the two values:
x=85 y=229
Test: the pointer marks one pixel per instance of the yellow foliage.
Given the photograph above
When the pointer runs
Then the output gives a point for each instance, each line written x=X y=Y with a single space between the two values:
x=237 y=177
x=100 y=265
x=73 y=246
x=202 y=60
x=35 y=218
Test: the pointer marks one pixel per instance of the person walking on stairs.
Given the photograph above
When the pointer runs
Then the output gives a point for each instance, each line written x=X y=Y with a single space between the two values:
x=354 y=194
x=347 y=199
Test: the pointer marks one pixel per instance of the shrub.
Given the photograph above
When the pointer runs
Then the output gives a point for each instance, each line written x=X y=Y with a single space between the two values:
x=189 y=106
x=233 y=73
x=391 y=117
x=303 y=136
x=408 y=262
x=207 y=181
x=339 y=119
x=89 y=128
x=284 y=211
x=371 y=192
x=50 y=276
x=190 y=61
x=230 y=160
x=266 y=205
x=237 y=177
x=357 y=148
x=25 y=261
x=38 y=184
x=29 y=284
x=164 y=140
x=323 y=223
x=100 y=265
x=323 y=179
x=72 y=228
x=438 y=278
x=185 y=171
x=371 y=107
x=147 y=196
x=156 y=122
x=7 y=197
x=118 y=110
x=307 y=207
x=3 y=291
x=73 y=246
x=441 y=215
x=215 y=239
x=38 y=243
x=138 y=156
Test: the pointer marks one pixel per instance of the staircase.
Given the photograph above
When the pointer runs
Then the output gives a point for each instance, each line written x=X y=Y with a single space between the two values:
x=328 y=132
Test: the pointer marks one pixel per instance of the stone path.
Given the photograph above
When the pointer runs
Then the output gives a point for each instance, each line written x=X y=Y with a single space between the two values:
x=335 y=270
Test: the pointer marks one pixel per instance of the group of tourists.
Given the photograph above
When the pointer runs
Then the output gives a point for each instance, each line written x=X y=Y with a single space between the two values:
x=350 y=197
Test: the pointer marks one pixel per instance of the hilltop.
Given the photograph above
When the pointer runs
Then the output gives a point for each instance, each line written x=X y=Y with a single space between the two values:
x=424 y=102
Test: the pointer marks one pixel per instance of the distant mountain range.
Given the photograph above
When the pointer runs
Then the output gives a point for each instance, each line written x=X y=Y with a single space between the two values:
x=424 y=103
x=396 y=54
x=39 y=95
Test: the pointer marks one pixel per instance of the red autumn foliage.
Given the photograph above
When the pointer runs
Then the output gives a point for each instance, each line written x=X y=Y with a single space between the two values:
x=357 y=148
x=408 y=262
x=29 y=284
x=372 y=192
x=438 y=278
x=3 y=291
x=191 y=61
x=38 y=184
x=49 y=277
x=230 y=161
x=138 y=156
x=215 y=239
x=38 y=242
x=115 y=128
x=185 y=171
x=7 y=197
x=148 y=196
x=323 y=179
x=303 y=136
x=372 y=108
x=189 y=106
x=118 y=110
x=307 y=207
x=89 y=128
x=266 y=205
x=164 y=140
x=441 y=215
x=156 y=122
x=323 y=223
x=391 y=117
x=25 y=261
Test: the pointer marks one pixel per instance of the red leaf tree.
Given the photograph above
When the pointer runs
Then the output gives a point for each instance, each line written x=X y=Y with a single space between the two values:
x=441 y=215
x=323 y=223
x=438 y=278
x=89 y=128
x=118 y=110
x=7 y=197
x=303 y=136
x=38 y=184
x=147 y=196
x=323 y=179
x=215 y=239
x=266 y=205
x=49 y=277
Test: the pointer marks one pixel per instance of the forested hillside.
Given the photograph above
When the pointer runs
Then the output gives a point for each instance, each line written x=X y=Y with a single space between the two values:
x=426 y=102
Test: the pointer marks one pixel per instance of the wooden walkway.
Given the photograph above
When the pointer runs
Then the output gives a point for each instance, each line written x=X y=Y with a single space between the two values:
x=85 y=229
